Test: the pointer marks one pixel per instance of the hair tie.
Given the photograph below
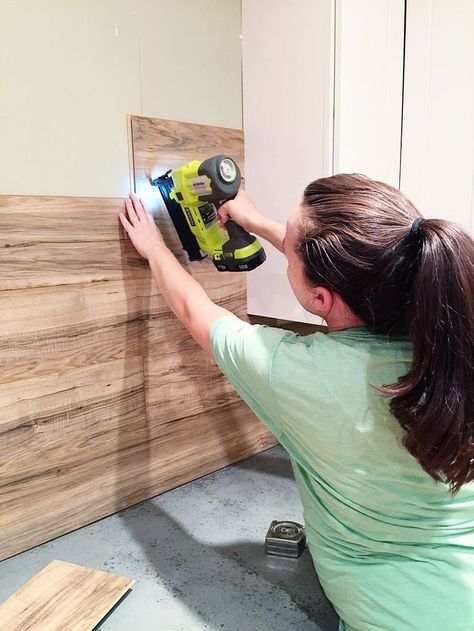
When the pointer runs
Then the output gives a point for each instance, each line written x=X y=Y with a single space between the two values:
x=415 y=227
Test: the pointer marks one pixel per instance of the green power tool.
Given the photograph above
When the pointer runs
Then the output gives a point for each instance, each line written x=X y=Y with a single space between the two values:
x=193 y=194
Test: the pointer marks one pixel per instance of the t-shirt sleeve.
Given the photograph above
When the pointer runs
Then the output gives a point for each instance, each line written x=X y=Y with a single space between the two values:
x=245 y=352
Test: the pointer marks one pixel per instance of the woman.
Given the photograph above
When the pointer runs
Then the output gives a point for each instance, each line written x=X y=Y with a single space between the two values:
x=377 y=415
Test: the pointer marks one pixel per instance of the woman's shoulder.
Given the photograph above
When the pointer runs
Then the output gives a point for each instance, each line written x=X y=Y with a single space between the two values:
x=354 y=344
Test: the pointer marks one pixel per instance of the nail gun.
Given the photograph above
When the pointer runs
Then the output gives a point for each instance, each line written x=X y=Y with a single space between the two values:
x=192 y=195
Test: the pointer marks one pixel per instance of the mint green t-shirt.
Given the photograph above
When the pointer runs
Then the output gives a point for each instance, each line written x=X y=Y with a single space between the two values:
x=394 y=551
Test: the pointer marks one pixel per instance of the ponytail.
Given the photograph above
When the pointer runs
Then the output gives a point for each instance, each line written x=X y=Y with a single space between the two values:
x=400 y=276
x=434 y=402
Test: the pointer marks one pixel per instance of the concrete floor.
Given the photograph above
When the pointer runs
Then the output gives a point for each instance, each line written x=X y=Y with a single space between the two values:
x=197 y=556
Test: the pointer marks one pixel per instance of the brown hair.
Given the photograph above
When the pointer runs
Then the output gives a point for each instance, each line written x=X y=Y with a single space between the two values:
x=359 y=238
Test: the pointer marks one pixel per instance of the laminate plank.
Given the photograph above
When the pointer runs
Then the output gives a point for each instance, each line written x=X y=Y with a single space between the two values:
x=49 y=241
x=160 y=144
x=194 y=446
x=45 y=330
x=181 y=382
x=47 y=252
x=36 y=508
x=51 y=264
x=105 y=321
x=67 y=418
x=58 y=220
x=63 y=597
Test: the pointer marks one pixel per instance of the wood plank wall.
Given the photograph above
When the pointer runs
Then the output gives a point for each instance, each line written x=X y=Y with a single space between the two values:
x=105 y=399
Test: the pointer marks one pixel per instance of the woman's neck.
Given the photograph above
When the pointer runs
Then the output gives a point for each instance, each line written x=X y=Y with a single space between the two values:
x=341 y=317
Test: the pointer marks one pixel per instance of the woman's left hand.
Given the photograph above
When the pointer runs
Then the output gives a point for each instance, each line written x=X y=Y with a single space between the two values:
x=140 y=227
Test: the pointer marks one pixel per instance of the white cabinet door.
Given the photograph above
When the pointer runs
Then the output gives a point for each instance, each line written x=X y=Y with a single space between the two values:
x=287 y=113
x=368 y=88
x=438 y=112
x=296 y=56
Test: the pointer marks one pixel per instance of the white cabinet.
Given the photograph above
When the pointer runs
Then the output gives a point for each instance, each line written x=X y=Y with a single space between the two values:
x=368 y=88
x=317 y=99
x=438 y=113
x=287 y=111
x=334 y=86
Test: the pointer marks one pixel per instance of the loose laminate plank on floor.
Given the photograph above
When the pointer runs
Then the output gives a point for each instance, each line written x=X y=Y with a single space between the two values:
x=63 y=597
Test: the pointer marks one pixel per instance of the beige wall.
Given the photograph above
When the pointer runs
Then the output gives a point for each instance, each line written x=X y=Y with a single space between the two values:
x=71 y=71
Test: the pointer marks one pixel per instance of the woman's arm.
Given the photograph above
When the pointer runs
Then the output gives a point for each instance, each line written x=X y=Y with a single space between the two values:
x=271 y=231
x=183 y=294
x=244 y=212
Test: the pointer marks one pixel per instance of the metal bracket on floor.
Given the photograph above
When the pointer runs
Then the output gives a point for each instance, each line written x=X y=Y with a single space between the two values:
x=285 y=539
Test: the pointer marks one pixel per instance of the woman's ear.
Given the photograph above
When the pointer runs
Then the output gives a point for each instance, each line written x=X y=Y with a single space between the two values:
x=321 y=301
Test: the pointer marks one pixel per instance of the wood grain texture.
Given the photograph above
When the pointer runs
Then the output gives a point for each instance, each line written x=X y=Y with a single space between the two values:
x=159 y=145
x=50 y=241
x=63 y=597
x=105 y=398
